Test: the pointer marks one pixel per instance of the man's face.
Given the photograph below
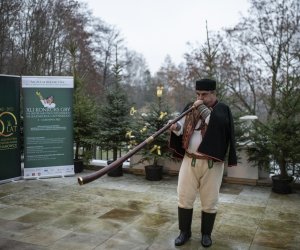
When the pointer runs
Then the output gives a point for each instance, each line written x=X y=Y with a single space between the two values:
x=49 y=100
x=208 y=97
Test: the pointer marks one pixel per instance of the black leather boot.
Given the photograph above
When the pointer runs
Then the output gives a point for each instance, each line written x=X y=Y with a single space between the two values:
x=207 y=224
x=185 y=221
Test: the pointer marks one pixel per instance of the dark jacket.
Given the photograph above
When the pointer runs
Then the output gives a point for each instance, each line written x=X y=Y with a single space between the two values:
x=218 y=139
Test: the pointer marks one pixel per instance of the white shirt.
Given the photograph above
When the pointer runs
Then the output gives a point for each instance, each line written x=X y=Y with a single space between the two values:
x=48 y=105
x=196 y=137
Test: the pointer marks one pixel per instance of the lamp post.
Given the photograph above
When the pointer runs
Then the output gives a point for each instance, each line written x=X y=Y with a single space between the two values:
x=159 y=91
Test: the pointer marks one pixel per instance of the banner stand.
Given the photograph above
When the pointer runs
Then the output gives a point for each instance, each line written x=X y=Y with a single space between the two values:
x=48 y=126
x=10 y=153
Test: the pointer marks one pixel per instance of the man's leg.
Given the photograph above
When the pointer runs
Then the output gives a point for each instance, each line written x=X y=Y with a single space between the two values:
x=209 y=195
x=187 y=190
x=207 y=224
x=185 y=221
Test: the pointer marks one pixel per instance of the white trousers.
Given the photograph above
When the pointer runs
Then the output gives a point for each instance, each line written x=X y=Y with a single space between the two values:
x=199 y=179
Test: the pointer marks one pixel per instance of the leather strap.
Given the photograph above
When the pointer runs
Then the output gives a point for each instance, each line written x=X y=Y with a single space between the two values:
x=195 y=156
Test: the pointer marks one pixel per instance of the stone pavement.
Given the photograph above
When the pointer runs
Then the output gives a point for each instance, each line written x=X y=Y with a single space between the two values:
x=130 y=212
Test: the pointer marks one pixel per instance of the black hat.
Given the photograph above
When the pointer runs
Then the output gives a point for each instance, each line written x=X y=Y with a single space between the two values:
x=205 y=84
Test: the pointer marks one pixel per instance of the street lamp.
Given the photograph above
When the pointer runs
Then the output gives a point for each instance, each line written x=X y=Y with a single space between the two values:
x=159 y=91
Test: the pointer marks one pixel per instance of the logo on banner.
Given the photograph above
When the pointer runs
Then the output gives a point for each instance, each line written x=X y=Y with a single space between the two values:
x=8 y=124
x=47 y=102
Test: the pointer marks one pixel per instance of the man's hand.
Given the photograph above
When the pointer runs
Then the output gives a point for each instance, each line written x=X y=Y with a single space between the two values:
x=175 y=126
x=197 y=103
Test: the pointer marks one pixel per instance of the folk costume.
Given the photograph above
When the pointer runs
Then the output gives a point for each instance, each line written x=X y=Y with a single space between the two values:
x=203 y=138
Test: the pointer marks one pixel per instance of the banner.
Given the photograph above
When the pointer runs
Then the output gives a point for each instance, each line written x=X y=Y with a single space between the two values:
x=48 y=126
x=10 y=157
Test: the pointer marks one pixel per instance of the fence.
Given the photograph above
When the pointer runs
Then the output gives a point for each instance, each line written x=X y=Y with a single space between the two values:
x=102 y=154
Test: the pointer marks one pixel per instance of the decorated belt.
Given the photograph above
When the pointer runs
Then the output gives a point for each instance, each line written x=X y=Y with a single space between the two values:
x=196 y=156
x=202 y=157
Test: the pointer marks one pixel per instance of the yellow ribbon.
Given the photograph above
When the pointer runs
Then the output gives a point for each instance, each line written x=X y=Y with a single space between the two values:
x=143 y=129
x=162 y=115
x=128 y=134
x=131 y=144
x=132 y=111
x=156 y=147
x=38 y=93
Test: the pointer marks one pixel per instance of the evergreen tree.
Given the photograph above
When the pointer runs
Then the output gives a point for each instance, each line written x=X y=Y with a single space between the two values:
x=155 y=117
x=114 y=115
x=277 y=140
x=84 y=116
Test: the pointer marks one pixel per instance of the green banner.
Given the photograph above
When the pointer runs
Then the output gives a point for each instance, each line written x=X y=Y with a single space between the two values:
x=48 y=126
x=10 y=160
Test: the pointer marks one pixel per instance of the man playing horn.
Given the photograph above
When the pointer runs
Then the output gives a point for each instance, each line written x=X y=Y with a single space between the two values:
x=202 y=138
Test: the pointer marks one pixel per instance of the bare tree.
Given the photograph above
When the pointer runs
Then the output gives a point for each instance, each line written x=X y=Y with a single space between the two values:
x=9 y=10
x=176 y=86
x=37 y=35
x=266 y=43
x=211 y=60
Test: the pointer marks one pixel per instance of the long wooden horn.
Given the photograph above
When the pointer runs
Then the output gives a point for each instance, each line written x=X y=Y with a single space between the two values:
x=118 y=162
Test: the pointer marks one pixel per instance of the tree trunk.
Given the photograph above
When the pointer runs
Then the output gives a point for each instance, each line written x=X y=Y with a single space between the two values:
x=76 y=150
x=115 y=153
x=155 y=161
x=282 y=166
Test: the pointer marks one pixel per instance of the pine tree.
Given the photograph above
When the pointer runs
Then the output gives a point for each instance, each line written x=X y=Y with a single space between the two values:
x=114 y=115
x=277 y=140
x=83 y=120
x=146 y=124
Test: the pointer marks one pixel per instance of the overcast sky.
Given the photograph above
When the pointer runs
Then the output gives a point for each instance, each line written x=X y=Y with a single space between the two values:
x=156 y=28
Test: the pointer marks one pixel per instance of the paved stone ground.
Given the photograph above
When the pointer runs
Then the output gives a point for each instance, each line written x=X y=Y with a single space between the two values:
x=130 y=212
